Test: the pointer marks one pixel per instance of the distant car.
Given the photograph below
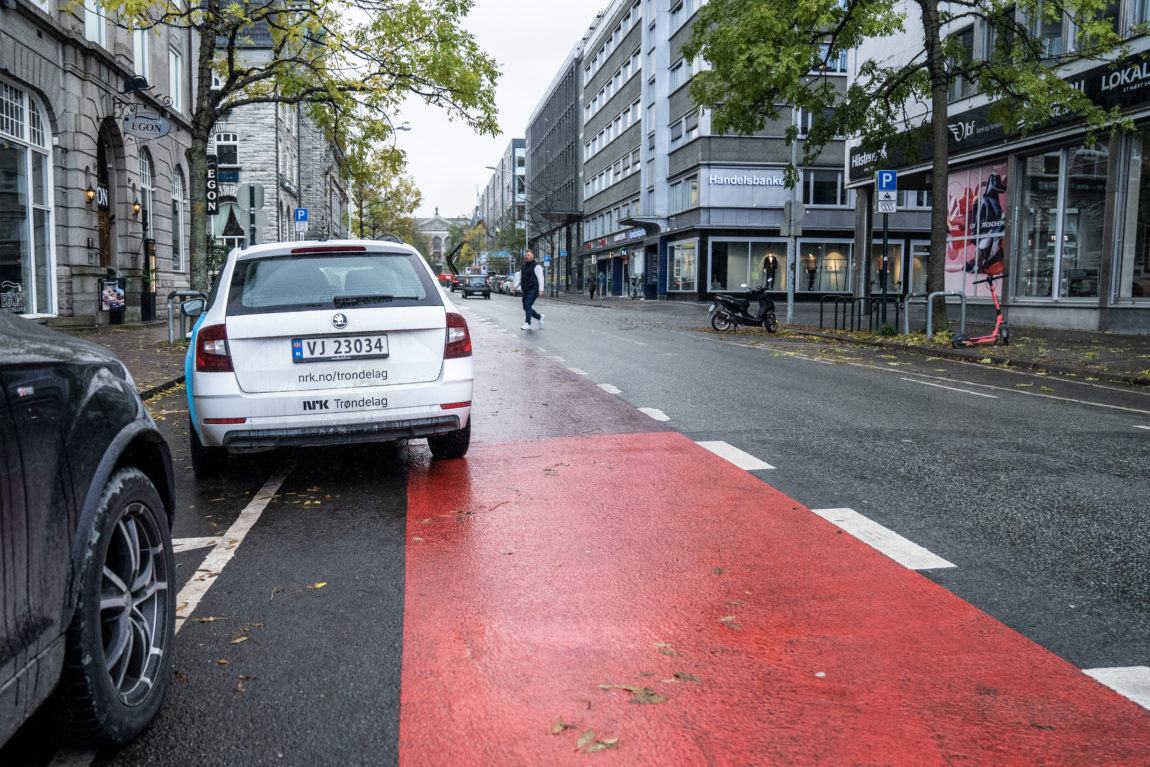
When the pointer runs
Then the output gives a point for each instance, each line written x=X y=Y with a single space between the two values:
x=316 y=344
x=457 y=281
x=476 y=286
x=85 y=526
x=445 y=279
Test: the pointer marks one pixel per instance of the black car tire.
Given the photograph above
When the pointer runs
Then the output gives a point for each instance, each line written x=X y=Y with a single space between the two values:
x=107 y=700
x=453 y=444
x=206 y=461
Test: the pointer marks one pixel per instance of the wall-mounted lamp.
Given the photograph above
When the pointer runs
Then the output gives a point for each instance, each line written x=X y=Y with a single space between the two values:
x=90 y=194
x=136 y=208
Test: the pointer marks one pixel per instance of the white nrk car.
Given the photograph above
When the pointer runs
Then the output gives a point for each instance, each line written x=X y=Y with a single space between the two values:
x=322 y=343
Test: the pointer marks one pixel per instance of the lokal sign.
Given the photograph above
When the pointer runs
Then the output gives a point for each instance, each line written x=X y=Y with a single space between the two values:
x=146 y=125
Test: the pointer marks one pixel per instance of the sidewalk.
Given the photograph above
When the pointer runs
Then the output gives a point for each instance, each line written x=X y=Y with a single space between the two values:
x=1089 y=355
x=157 y=365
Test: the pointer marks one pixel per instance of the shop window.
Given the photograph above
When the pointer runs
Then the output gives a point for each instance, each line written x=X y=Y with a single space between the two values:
x=1133 y=270
x=27 y=284
x=976 y=220
x=682 y=258
x=823 y=266
x=178 y=206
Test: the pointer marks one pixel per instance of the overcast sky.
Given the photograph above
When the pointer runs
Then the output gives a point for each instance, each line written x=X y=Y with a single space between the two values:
x=529 y=40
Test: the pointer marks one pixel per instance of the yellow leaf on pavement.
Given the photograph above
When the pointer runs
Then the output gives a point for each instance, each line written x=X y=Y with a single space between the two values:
x=585 y=739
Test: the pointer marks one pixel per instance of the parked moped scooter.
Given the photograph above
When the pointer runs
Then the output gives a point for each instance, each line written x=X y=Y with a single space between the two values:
x=730 y=311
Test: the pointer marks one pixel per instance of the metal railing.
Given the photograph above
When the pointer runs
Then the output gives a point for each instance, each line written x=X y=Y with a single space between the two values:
x=182 y=294
x=928 y=299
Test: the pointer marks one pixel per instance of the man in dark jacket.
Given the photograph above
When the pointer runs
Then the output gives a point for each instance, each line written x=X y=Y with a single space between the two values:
x=529 y=279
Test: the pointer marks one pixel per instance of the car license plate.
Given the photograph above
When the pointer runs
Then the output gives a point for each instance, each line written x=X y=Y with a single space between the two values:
x=329 y=348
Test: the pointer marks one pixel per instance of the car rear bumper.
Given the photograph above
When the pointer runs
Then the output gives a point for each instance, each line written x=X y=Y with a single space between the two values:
x=342 y=434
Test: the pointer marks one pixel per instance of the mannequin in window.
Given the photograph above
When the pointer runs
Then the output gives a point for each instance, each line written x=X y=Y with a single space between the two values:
x=770 y=267
x=812 y=271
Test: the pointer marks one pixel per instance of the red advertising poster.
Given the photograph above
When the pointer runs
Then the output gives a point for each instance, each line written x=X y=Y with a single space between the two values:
x=976 y=220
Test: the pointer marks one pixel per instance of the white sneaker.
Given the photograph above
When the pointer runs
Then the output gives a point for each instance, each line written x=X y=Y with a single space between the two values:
x=525 y=326
x=541 y=316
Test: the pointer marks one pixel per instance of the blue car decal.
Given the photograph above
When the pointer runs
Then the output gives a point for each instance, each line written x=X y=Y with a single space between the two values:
x=189 y=379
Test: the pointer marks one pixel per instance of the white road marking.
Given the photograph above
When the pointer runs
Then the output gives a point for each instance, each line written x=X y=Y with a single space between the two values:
x=1147 y=428
x=578 y=372
x=951 y=388
x=1130 y=681
x=736 y=456
x=610 y=389
x=658 y=415
x=191 y=594
x=188 y=544
x=617 y=338
x=555 y=357
x=906 y=553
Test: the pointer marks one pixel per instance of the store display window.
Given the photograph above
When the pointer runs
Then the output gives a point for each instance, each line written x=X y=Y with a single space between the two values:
x=755 y=263
x=683 y=264
x=824 y=267
x=976 y=205
x=1133 y=268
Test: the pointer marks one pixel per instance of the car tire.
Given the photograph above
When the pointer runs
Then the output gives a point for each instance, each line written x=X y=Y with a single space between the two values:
x=453 y=444
x=206 y=461
x=119 y=644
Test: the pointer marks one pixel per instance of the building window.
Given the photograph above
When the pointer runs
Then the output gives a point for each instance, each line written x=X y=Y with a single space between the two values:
x=1049 y=31
x=228 y=150
x=145 y=198
x=684 y=194
x=176 y=79
x=962 y=86
x=178 y=203
x=678 y=75
x=140 y=62
x=27 y=285
x=678 y=16
x=823 y=187
x=95 y=26
x=823 y=266
x=754 y=263
x=1133 y=270
x=683 y=264
x=828 y=63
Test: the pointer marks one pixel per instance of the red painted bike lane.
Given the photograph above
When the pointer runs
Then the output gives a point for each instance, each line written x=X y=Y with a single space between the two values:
x=635 y=598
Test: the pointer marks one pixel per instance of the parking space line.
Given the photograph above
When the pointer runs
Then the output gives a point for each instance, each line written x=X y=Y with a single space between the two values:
x=906 y=553
x=950 y=388
x=221 y=554
x=610 y=389
x=1132 y=682
x=736 y=456
x=658 y=415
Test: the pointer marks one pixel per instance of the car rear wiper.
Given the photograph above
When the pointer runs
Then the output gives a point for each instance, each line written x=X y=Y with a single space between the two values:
x=358 y=300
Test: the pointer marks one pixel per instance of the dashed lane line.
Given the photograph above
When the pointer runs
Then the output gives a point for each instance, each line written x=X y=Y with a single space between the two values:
x=189 y=544
x=1132 y=682
x=610 y=389
x=906 y=553
x=950 y=388
x=1147 y=428
x=578 y=372
x=655 y=413
x=221 y=554
x=736 y=456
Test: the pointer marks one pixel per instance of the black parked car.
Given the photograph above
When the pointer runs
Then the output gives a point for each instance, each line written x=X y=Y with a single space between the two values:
x=476 y=286
x=86 y=565
x=457 y=282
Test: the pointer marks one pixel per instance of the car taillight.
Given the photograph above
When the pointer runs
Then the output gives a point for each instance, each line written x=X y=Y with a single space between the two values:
x=212 y=350
x=458 y=343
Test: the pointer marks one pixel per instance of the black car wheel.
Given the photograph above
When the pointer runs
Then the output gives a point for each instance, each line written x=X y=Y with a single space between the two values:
x=119 y=645
x=206 y=461
x=453 y=444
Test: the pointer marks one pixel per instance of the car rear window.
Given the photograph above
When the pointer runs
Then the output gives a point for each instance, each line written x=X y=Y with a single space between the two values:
x=476 y=281
x=294 y=282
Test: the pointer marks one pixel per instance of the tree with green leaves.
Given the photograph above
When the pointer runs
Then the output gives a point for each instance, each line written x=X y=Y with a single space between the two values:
x=472 y=237
x=510 y=237
x=382 y=198
x=765 y=56
x=350 y=63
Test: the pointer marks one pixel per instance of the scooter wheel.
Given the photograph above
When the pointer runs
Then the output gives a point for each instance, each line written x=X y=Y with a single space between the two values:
x=959 y=342
x=1004 y=334
x=721 y=322
x=770 y=323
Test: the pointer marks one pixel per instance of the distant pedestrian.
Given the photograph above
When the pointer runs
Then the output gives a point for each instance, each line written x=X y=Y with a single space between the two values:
x=602 y=284
x=591 y=284
x=529 y=279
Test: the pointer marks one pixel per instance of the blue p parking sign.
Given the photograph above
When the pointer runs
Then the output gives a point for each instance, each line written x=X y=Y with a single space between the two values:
x=887 y=181
x=301 y=214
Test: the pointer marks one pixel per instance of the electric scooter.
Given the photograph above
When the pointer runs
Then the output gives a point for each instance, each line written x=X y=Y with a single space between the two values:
x=1001 y=330
x=729 y=311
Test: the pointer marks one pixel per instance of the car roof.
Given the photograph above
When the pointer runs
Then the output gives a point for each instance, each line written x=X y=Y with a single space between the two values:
x=320 y=246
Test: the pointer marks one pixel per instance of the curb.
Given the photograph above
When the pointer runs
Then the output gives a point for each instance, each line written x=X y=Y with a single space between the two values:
x=160 y=388
x=1052 y=367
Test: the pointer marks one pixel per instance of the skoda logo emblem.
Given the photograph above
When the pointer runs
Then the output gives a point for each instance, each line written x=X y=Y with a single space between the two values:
x=339 y=320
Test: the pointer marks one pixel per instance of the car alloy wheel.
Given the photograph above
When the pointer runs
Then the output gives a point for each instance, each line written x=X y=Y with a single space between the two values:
x=122 y=634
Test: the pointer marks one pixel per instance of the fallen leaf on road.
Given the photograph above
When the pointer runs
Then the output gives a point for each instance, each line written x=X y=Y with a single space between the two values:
x=319 y=585
x=603 y=745
x=222 y=662
x=275 y=591
x=248 y=676
x=559 y=726
x=1047 y=388
x=585 y=739
x=727 y=619
x=237 y=640
x=718 y=571
x=240 y=687
x=668 y=652
x=418 y=539
x=687 y=677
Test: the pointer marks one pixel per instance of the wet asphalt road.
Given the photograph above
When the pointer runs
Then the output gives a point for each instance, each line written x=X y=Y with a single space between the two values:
x=1034 y=488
